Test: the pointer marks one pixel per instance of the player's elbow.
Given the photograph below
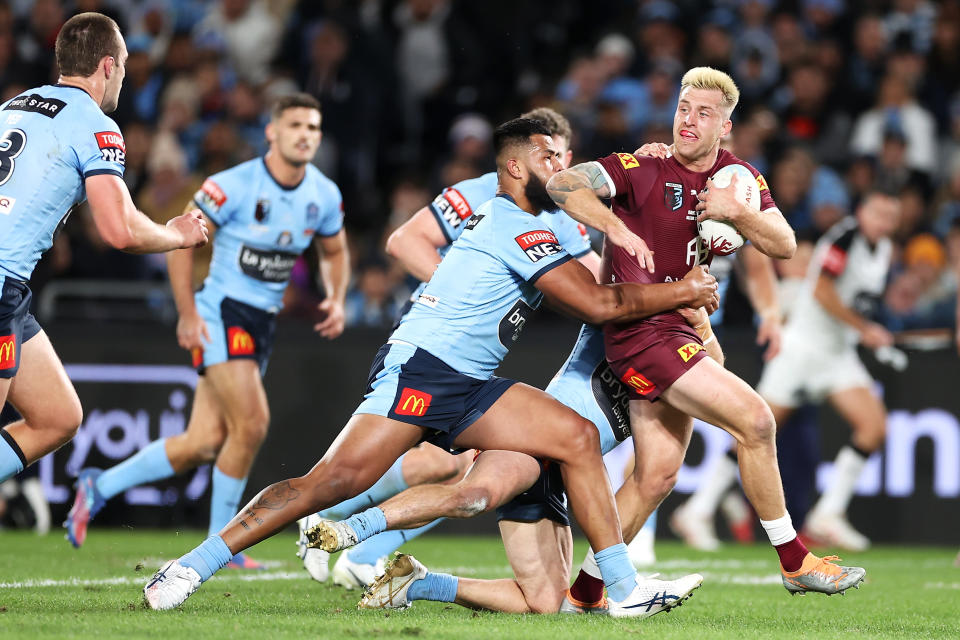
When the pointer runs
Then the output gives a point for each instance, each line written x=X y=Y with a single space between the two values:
x=395 y=243
x=119 y=237
x=785 y=249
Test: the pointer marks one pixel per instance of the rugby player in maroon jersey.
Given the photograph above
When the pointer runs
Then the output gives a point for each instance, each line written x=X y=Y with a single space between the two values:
x=663 y=358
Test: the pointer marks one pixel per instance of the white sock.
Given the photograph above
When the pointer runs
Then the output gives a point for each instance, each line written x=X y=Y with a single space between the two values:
x=590 y=566
x=780 y=531
x=846 y=472
x=719 y=478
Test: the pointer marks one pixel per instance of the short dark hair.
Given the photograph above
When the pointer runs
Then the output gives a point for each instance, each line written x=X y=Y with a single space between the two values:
x=556 y=123
x=84 y=40
x=517 y=131
x=292 y=101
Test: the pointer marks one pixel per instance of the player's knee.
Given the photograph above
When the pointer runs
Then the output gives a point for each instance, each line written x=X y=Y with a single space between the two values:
x=581 y=438
x=760 y=428
x=544 y=602
x=208 y=448
x=469 y=501
x=67 y=420
x=253 y=428
x=655 y=484
x=440 y=466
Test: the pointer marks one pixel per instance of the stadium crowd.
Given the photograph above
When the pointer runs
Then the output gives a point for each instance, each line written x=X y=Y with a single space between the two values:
x=836 y=98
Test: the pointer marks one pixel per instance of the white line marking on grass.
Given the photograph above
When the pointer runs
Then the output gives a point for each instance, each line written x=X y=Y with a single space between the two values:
x=141 y=580
x=942 y=585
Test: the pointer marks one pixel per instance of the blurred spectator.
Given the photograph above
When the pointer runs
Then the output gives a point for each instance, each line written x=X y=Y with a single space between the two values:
x=922 y=296
x=865 y=66
x=913 y=19
x=891 y=171
x=37 y=33
x=247 y=32
x=372 y=302
x=142 y=85
x=947 y=204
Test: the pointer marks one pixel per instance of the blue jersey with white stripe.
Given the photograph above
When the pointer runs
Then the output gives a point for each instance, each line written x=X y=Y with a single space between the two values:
x=262 y=227
x=51 y=139
x=483 y=292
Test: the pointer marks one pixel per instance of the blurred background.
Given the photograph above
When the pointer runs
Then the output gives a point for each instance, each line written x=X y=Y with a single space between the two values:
x=836 y=98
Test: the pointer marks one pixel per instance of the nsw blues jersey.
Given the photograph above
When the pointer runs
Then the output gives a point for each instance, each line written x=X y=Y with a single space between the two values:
x=262 y=227
x=482 y=293
x=51 y=139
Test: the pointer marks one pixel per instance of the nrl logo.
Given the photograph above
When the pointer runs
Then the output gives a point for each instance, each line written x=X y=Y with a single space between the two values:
x=673 y=195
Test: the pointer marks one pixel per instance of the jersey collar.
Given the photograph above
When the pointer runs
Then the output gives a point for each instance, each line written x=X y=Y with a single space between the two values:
x=277 y=182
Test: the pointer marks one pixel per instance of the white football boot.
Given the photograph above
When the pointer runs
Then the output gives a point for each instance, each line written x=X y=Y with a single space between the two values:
x=315 y=561
x=354 y=575
x=651 y=596
x=170 y=586
x=389 y=591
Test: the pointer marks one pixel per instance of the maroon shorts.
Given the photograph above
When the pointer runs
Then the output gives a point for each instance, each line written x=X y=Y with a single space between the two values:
x=649 y=357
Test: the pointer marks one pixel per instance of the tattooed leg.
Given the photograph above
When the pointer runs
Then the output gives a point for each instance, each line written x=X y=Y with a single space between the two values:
x=363 y=452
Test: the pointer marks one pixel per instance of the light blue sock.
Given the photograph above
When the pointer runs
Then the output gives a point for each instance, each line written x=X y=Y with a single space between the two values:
x=11 y=459
x=367 y=523
x=224 y=499
x=211 y=556
x=383 y=544
x=390 y=484
x=147 y=465
x=619 y=576
x=651 y=523
x=439 y=587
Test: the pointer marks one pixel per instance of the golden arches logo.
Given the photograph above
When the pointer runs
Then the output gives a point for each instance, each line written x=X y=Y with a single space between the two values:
x=413 y=402
x=8 y=351
x=240 y=342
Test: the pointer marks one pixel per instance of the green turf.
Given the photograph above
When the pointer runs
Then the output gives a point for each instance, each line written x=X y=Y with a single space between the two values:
x=910 y=593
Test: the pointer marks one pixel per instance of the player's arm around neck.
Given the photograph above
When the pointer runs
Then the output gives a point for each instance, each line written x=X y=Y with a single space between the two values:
x=578 y=190
x=416 y=244
x=123 y=227
x=572 y=289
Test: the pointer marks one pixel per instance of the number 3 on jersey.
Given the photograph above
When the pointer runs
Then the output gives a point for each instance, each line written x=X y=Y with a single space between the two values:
x=11 y=144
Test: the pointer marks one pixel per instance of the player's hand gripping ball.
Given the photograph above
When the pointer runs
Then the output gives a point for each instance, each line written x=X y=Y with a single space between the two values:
x=721 y=236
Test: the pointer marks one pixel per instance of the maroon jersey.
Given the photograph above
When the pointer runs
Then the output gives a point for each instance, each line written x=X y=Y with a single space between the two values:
x=657 y=200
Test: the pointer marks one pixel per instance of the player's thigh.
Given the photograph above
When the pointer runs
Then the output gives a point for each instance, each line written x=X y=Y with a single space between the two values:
x=500 y=476
x=41 y=391
x=207 y=419
x=429 y=463
x=239 y=391
x=661 y=432
x=539 y=554
x=860 y=407
x=4 y=389
x=719 y=397
x=528 y=420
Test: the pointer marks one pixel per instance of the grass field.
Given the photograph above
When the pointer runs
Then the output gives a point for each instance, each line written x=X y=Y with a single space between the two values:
x=48 y=590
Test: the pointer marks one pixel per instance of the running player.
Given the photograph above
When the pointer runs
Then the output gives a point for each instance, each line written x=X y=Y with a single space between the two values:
x=661 y=357
x=58 y=148
x=267 y=211
x=419 y=244
x=471 y=311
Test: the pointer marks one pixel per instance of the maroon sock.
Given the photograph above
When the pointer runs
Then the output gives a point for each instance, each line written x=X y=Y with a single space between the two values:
x=586 y=588
x=791 y=554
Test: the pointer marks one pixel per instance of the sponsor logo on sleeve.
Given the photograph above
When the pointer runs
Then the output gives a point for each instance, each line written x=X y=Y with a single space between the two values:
x=112 y=147
x=35 y=103
x=673 y=195
x=413 y=402
x=460 y=204
x=211 y=195
x=689 y=350
x=8 y=351
x=835 y=260
x=240 y=342
x=6 y=204
x=628 y=160
x=473 y=222
x=539 y=244
x=638 y=381
x=762 y=183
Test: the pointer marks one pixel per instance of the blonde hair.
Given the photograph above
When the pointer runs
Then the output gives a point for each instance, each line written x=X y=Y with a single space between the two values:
x=713 y=80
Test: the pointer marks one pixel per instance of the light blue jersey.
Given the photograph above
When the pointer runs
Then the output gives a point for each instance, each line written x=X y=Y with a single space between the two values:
x=482 y=293
x=53 y=138
x=262 y=227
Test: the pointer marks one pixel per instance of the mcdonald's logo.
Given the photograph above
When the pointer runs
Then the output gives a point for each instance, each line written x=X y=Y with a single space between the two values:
x=8 y=351
x=240 y=342
x=638 y=381
x=689 y=350
x=197 y=355
x=413 y=402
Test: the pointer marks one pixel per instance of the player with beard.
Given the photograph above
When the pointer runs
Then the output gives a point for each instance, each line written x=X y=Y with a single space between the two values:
x=58 y=148
x=434 y=380
x=660 y=358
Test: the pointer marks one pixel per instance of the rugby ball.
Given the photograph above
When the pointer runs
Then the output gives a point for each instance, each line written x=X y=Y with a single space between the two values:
x=722 y=238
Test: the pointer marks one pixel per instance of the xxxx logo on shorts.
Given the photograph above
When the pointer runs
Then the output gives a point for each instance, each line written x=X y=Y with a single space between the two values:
x=413 y=402
x=638 y=381
x=628 y=160
x=8 y=351
x=240 y=342
x=689 y=350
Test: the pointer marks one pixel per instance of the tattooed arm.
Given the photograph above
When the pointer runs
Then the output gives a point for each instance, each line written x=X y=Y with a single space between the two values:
x=578 y=190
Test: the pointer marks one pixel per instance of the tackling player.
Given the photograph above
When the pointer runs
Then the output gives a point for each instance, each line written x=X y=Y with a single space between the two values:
x=472 y=310
x=660 y=358
x=58 y=148
x=267 y=211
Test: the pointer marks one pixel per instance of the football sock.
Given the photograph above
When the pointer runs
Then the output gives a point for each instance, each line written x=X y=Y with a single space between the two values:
x=721 y=476
x=367 y=523
x=846 y=472
x=588 y=587
x=12 y=460
x=619 y=575
x=211 y=556
x=784 y=539
x=224 y=499
x=383 y=544
x=439 y=587
x=389 y=485
x=147 y=465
